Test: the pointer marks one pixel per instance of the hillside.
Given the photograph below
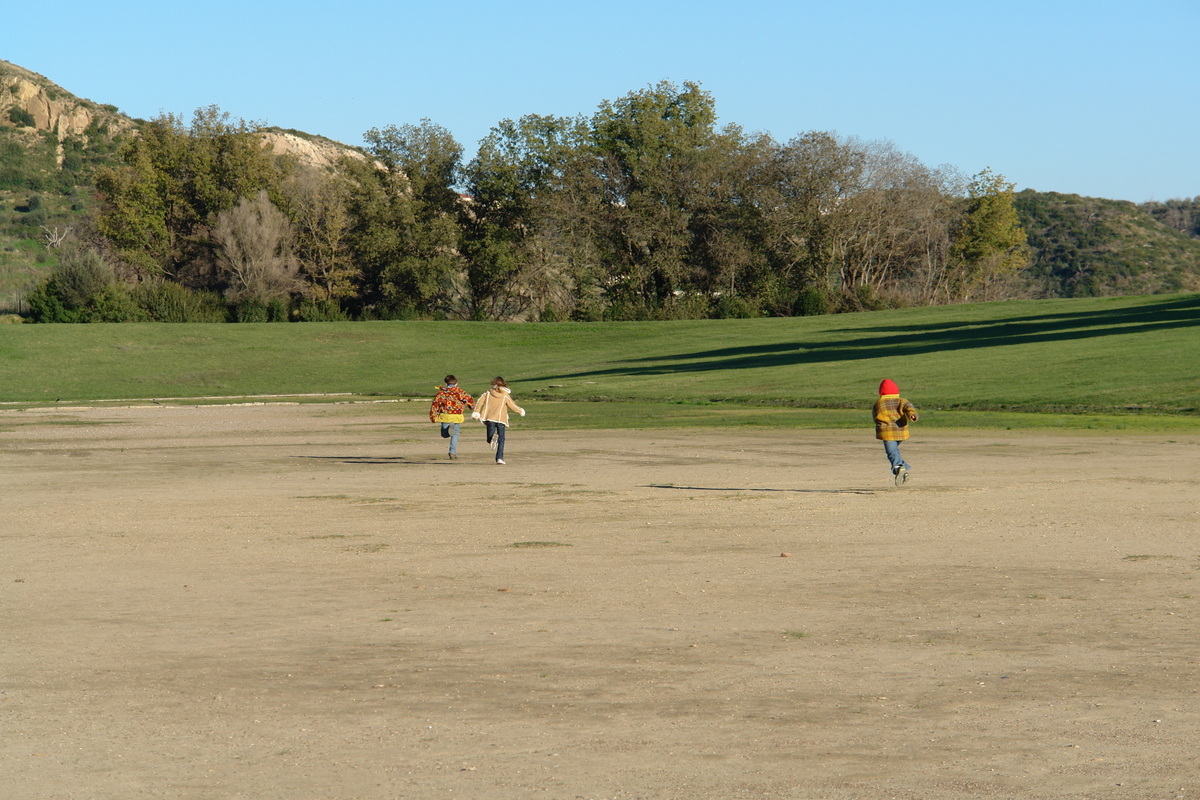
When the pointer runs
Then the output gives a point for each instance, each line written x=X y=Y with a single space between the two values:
x=51 y=143
x=1086 y=246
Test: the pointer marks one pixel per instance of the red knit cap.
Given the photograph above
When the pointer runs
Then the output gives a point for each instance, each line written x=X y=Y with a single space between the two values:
x=888 y=387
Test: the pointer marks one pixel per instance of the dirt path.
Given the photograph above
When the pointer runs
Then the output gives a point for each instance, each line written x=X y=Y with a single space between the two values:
x=289 y=601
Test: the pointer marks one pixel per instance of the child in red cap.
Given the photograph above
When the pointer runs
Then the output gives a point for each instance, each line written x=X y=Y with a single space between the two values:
x=892 y=414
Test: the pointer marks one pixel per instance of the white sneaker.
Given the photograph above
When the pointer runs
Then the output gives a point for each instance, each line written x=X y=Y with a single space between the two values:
x=499 y=460
x=492 y=444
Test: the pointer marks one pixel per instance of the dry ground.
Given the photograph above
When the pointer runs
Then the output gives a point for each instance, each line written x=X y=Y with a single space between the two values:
x=289 y=601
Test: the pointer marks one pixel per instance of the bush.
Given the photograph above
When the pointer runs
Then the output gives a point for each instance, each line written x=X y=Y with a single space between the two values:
x=251 y=310
x=46 y=305
x=691 y=306
x=167 y=301
x=320 y=311
x=21 y=118
x=115 y=303
x=82 y=287
x=278 y=309
x=81 y=276
x=813 y=302
x=626 y=311
x=735 y=307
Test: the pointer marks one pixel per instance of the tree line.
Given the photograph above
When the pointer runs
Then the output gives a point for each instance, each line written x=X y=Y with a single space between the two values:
x=643 y=210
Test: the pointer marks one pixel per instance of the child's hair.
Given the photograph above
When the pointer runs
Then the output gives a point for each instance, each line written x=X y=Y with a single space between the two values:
x=450 y=379
x=498 y=381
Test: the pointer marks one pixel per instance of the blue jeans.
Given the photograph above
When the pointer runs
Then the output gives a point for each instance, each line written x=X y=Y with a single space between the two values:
x=893 y=455
x=451 y=428
x=496 y=429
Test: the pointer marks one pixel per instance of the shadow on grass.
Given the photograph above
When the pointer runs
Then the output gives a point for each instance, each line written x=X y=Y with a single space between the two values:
x=918 y=339
x=756 y=489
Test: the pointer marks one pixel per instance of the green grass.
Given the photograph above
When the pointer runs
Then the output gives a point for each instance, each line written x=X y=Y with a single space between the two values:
x=1099 y=363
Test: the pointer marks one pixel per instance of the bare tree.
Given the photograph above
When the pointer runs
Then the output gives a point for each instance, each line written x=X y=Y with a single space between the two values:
x=255 y=251
x=53 y=237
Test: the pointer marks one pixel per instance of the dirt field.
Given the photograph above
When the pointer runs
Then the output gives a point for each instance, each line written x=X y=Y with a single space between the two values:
x=292 y=601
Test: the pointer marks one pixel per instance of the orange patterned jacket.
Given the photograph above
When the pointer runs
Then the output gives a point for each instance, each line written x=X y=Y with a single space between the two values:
x=448 y=404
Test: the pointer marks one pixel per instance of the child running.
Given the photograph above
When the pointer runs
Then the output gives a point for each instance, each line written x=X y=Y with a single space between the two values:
x=492 y=410
x=447 y=408
x=892 y=414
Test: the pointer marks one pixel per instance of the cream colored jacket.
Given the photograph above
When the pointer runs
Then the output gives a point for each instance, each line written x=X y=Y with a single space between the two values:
x=493 y=406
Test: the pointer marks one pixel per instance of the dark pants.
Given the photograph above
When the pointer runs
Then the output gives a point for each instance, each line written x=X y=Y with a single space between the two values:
x=496 y=429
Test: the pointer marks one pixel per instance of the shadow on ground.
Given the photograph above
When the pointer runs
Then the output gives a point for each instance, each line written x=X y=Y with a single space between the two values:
x=757 y=489
x=387 y=460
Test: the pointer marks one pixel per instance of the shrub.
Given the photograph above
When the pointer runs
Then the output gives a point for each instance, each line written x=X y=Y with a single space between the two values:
x=167 y=301
x=691 y=306
x=320 y=311
x=250 y=310
x=626 y=311
x=46 y=305
x=82 y=287
x=21 y=118
x=813 y=302
x=278 y=309
x=81 y=276
x=735 y=307
x=115 y=303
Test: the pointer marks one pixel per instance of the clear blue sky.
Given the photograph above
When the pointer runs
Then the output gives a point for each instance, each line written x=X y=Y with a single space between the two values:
x=1097 y=98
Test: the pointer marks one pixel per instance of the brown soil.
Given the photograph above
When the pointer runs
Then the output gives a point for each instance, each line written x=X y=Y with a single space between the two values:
x=285 y=601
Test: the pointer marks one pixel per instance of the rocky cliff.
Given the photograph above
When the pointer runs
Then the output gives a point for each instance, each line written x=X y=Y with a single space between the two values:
x=32 y=103
x=28 y=100
x=312 y=151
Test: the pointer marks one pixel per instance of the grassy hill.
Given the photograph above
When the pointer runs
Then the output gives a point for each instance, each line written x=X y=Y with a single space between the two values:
x=1103 y=357
x=1086 y=246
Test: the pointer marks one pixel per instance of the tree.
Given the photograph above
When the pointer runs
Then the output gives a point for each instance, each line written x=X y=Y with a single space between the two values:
x=989 y=243
x=317 y=205
x=654 y=155
x=156 y=209
x=521 y=225
x=804 y=186
x=894 y=229
x=255 y=255
x=405 y=220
